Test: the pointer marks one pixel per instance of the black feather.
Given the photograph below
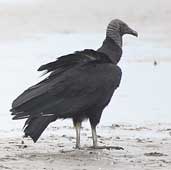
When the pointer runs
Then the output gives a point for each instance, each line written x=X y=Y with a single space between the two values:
x=79 y=85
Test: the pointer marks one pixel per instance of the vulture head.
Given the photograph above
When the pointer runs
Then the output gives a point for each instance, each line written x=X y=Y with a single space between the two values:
x=117 y=28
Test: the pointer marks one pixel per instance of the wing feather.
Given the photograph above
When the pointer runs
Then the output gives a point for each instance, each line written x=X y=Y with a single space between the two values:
x=88 y=85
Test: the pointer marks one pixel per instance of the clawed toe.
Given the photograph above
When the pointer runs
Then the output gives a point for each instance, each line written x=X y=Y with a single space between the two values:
x=108 y=147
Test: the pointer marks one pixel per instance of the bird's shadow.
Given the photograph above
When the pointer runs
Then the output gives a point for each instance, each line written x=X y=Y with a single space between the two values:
x=64 y=154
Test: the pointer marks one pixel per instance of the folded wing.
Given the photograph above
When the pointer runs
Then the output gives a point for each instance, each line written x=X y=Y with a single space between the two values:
x=88 y=85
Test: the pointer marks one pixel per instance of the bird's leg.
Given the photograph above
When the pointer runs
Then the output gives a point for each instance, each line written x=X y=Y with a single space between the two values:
x=94 y=136
x=95 y=145
x=77 y=126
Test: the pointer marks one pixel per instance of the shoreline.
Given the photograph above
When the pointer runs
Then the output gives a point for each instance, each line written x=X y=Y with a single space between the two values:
x=145 y=147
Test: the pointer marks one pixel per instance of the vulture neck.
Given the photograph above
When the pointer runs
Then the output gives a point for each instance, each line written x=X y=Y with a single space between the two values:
x=112 y=49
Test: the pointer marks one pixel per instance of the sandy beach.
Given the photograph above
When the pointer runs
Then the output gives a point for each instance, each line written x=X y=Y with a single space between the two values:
x=36 y=32
x=146 y=146
x=19 y=18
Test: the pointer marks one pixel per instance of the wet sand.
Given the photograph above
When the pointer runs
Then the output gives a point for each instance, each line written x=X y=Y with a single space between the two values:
x=146 y=147
x=28 y=35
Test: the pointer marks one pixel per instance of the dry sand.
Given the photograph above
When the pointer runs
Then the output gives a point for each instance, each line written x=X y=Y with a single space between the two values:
x=146 y=147
x=22 y=18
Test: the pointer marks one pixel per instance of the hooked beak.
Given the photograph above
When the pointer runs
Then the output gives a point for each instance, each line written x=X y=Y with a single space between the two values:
x=132 y=32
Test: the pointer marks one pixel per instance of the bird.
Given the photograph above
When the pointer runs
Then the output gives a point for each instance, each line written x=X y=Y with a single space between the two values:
x=79 y=86
x=155 y=63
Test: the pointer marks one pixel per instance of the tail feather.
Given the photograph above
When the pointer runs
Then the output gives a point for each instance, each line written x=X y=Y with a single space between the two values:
x=34 y=126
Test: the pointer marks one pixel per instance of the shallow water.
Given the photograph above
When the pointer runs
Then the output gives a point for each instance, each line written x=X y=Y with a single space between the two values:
x=144 y=93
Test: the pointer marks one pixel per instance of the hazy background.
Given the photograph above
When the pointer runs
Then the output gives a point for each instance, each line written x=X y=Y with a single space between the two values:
x=35 y=32
x=22 y=17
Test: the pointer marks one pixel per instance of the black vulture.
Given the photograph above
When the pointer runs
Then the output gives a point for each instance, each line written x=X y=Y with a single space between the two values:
x=79 y=86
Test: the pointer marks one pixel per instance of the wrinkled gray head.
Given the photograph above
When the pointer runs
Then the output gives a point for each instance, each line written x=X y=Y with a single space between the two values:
x=116 y=29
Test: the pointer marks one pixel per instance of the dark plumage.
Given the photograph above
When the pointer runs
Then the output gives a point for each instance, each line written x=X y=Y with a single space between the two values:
x=79 y=86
